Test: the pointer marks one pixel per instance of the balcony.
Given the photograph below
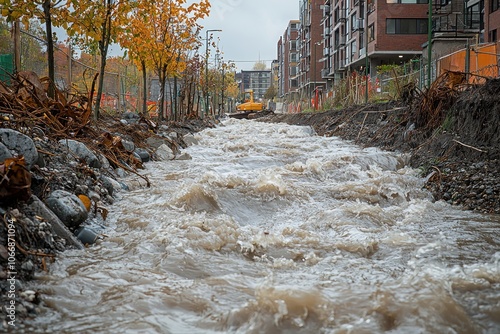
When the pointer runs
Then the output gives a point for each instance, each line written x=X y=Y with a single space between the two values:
x=325 y=73
x=341 y=16
x=326 y=10
x=360 y=23
x=341 y=65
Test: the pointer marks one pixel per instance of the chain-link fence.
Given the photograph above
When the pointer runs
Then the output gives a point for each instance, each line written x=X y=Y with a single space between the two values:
x=74 y=75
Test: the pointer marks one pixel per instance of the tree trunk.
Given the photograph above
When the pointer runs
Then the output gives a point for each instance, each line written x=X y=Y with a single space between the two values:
x=144 y=82
x=50 y=48
x=162 y=80
x=176 y=106
x=103 y=48
x=170 y=99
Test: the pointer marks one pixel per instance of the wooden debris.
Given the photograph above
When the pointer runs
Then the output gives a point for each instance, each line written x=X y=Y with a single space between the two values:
x=471 y=147
x=15 y=180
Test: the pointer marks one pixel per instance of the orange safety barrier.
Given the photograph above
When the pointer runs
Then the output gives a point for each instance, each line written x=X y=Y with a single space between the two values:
x=483 y=61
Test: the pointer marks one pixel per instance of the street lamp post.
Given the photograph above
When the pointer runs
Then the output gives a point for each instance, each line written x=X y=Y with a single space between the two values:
x=223 y=87
x=315 y=74
x=206 y=71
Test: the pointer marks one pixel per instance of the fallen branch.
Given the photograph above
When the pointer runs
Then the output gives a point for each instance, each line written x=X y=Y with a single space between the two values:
x=383 y=111
x=362 y=125
x=472 y=147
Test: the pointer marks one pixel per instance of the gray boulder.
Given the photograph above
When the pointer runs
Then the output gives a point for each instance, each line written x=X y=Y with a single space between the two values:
x=128 y=145
x=111 y=185
x=165 y=153
x=67 y=207
x=4 y=152
x=20 y=144
x=142 y=154
x=81 y=151
x=57 y=226
x=155 y=142
x=183 y=156
x=189 y=139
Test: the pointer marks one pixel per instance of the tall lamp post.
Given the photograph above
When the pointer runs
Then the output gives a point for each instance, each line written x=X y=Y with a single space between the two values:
x=315 y=74
x=223 y=87
x=206 y=71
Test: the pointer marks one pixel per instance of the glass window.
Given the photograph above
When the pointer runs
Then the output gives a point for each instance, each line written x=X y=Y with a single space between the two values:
x=493 y=35
x=495 y=4
x=354 y=23
x=371 y=33
x=406 y=26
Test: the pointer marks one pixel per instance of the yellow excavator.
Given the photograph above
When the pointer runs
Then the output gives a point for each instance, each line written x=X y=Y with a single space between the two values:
x=249 y=104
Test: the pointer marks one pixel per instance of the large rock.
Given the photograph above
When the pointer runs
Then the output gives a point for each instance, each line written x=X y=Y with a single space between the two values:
x=20 y=144
x=190 y=139
x=128 y=145
x=155 y=141
x=82 y=151
x=68 y=207
x=165 y=153
x=57 y=225
x=183 y=156
x=142 y=154
x=111 y=185
x=4 y=152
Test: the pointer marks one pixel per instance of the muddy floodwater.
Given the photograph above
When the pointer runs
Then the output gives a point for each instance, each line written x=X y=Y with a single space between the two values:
x=272 y=229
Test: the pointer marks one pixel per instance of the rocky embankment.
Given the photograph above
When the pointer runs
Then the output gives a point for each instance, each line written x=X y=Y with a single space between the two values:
x=55 y=192
x=457 y=148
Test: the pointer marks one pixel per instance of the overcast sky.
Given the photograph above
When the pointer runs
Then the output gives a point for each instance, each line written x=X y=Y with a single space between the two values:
x=250 y=28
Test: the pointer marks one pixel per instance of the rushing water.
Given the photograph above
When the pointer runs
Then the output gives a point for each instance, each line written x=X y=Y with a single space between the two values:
x=272 y=229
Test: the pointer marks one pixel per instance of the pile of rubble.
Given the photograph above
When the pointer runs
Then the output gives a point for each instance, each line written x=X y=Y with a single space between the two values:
x=59 y=171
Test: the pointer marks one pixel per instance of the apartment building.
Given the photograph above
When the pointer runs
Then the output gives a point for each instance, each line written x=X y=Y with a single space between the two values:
x=337 y=37
x=310 y=44
x=492 y=21
x=288 y=57
x=258 y=81
x=360 y=33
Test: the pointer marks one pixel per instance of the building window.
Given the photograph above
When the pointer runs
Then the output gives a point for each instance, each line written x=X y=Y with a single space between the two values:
x=353 y=49
x=354 y=22
x=473 y=17
x=371 y=32
x=408 y=1
x=293 y=26
x=493 y=35
x=371 y=6
x=293 y=45
x=293 y=57
x=495 y=4
x=406 y=26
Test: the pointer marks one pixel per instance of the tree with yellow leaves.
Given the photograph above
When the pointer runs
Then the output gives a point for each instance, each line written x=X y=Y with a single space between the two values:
x=94 y=25
x=160 y=34
x=50 y=12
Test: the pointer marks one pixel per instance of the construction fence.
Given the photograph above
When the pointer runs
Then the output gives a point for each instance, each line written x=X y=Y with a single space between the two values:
x=479 y=62
x=74 y=75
